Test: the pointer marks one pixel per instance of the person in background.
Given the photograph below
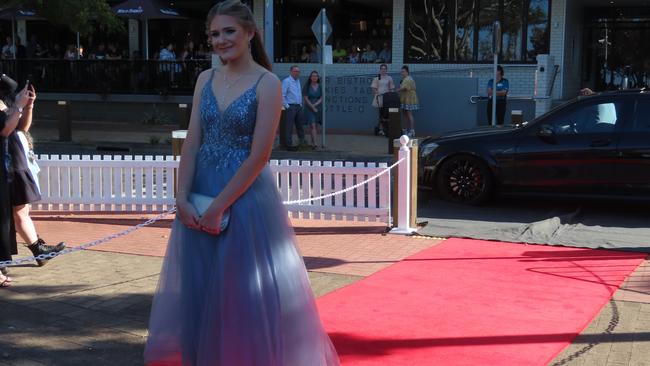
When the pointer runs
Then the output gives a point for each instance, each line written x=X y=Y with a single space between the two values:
x=56 y=52
x=189 y=52
x=354 y=57
x=31 y=46
x=70 y=53
x=312 y=94
x=9 y=49
x=369 y=55
x=22 y=184
x=113 y=53
x=100 y=53
x=21 y=50
x=339 y=54
x=202 y=52
x=292 y=102
x=314 y=54
x=502 y=86
x=385 y=55
x=381 y=84
x=167 y=53
x=408 y=100
x=304 y=55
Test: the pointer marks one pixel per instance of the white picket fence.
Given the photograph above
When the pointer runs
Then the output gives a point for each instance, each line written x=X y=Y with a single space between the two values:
x=147 y=184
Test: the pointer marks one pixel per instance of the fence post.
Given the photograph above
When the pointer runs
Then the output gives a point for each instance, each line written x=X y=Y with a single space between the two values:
x=184 y=111
x=65 y=125
x=403 y=187
x=178 y=137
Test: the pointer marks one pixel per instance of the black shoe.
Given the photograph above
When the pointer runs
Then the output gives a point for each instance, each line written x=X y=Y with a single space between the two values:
x=292 y=148
x=40 y=247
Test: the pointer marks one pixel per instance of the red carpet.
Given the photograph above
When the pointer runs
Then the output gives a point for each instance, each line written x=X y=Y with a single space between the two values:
x=471 y=302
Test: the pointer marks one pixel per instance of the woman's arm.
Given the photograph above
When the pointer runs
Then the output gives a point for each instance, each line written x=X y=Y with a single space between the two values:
x=268 y=117
x=12 y=115
x=10 y=121
x=308 y=102
x=190 y=150
x=26 y=120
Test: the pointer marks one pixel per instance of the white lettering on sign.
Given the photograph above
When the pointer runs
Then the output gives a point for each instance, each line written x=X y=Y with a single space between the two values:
x=169 y=12
x=139 y=10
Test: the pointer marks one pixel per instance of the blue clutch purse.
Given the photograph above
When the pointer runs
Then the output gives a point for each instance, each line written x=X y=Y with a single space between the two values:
x=201 y=203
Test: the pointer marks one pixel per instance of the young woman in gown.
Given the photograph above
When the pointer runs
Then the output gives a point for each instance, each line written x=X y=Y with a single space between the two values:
x=240 y=296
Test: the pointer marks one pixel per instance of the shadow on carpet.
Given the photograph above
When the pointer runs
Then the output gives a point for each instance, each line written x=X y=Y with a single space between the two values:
x=622 y=226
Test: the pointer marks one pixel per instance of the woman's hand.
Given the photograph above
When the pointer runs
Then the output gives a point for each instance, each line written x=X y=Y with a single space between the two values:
x=25 y=97
x=30 y=103
x=210 y=222
x=187 y=214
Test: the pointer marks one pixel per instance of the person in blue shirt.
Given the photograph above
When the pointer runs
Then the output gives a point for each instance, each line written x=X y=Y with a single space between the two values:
x=502 y=95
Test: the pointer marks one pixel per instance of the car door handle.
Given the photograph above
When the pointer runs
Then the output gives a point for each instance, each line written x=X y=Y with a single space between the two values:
x=601 y=143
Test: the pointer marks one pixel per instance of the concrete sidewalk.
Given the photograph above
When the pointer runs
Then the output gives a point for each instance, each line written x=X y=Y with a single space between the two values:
x=92 y=307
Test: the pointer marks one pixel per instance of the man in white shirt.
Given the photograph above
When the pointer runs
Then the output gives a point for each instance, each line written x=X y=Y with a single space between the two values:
x=293 y=114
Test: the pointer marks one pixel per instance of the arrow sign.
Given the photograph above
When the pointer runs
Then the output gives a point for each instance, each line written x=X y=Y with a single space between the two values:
x=321 y=27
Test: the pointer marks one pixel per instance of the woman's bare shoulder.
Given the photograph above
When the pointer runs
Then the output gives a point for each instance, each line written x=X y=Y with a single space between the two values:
x=268 y=79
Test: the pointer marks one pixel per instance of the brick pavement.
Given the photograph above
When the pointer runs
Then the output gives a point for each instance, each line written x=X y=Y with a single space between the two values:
x=92 y=306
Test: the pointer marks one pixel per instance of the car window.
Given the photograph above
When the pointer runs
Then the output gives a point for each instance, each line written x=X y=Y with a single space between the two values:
x=587 y=119
x=641 y=121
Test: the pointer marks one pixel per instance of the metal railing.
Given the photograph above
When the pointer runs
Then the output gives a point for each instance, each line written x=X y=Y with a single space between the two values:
x=107 y=76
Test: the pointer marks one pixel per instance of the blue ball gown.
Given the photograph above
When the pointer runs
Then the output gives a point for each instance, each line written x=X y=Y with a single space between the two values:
x=241 y=298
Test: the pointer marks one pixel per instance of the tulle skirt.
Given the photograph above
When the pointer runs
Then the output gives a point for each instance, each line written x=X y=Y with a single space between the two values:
x=241 y=298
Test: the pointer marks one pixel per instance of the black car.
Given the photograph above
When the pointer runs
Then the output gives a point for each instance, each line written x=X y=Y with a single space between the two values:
x=596 y=145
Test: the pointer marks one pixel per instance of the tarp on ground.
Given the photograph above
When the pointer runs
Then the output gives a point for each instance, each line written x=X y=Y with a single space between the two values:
x=607 y=225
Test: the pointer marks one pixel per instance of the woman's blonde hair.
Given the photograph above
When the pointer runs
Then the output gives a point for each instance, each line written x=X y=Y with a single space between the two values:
x=241 y=12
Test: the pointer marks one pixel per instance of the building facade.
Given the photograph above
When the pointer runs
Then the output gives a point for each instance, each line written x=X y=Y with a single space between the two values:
x=550 y=49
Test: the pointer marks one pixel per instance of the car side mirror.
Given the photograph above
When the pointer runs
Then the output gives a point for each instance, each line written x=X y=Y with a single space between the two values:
x=545 y=131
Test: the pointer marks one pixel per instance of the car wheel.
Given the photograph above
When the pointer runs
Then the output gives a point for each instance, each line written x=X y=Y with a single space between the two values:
x=464 y=179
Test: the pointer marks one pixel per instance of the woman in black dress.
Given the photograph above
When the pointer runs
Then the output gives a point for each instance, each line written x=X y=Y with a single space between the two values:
x=23 y=189
x=7 y=232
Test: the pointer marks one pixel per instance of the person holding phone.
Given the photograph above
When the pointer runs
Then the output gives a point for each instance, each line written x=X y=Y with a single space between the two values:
x=380 y=85
x=23 y=187
x=9 y=119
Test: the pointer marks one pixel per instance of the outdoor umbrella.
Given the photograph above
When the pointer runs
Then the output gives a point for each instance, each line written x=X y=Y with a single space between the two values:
x=144 y=10
x=14 y=14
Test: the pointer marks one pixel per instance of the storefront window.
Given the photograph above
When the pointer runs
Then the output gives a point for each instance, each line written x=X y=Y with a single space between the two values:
x=461 y=30
x=538 y=32
x=488 y=14
x=512 y=30
x=428 y=30
x=361 y=30
x=465 y=25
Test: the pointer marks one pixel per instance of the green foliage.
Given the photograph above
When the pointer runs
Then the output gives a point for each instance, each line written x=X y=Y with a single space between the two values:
x=78 y=15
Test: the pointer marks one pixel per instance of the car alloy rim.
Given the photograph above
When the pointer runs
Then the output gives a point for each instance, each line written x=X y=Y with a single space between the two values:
x=464 y=180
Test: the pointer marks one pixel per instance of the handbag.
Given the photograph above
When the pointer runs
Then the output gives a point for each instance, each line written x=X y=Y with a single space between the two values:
x=201 y=203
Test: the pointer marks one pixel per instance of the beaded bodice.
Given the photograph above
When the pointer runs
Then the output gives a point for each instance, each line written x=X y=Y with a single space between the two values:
x=227 y=134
